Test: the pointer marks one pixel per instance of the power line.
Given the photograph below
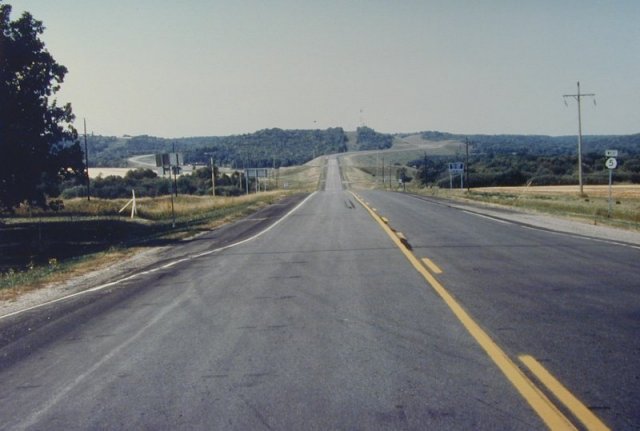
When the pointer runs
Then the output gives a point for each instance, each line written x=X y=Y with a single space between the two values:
x=578 y=97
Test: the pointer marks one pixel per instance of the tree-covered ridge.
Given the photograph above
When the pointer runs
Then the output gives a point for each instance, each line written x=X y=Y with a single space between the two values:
x=260 y=149
x=514 y=169
x=369 y=139
x=627 y=145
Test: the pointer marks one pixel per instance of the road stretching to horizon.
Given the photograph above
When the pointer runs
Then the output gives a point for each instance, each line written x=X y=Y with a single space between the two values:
x=371 y=311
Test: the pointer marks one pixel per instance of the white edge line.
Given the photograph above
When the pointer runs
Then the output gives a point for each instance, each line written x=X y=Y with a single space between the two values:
x=487 y=217
x=167 y=265
x=540 y=229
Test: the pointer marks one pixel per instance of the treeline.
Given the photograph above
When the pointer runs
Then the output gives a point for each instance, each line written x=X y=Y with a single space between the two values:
x=264 y=148
x=369 y=139
x=518 y=170
x=490 y=145
x=146 y=182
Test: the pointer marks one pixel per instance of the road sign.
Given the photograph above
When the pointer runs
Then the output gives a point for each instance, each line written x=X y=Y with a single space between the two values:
x=169 y=159
x=456 y=168
x=611 y=163
x=611 y=153
x=257 y=172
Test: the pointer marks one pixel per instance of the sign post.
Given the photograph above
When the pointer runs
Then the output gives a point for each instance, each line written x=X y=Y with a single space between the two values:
x=456 y=168
x=611 y=164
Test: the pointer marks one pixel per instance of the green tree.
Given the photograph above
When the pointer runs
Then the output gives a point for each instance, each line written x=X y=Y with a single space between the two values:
x=38 y=145
x=423 y=172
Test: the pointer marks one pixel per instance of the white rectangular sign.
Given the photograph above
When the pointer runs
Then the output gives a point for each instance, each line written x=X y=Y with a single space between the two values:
x=456 y=168
x=611 y=153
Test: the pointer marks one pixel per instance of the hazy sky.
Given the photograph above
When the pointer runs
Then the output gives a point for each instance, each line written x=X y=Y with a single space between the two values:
x=205 y=67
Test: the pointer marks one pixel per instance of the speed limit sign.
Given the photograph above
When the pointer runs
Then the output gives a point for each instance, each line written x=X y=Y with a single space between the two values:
x=611 y=163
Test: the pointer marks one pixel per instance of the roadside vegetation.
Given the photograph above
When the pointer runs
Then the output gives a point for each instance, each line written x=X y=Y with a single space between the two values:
x=47 y=227
x=39 y=246
x=559 y=200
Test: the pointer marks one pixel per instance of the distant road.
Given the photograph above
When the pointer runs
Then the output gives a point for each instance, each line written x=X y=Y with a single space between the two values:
x=326 y=321
x=143 y=161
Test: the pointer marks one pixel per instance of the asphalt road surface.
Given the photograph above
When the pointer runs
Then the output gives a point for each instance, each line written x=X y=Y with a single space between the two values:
x=324 y=322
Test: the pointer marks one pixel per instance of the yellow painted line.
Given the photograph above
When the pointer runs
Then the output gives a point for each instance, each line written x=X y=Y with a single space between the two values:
x=589 y=420
x=538 y=401
x=432 y=266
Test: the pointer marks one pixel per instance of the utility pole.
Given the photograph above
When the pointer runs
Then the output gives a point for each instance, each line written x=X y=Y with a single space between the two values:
x=175 y=171
x=213 y=178
x=466 y=164
x=578 y=97
x=86 y=159
x=377 y=168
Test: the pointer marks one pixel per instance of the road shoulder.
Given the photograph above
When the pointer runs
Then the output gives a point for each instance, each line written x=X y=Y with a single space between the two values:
x=145 y=258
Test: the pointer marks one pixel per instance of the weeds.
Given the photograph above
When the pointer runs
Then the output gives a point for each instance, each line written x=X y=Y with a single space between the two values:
x=45 y=245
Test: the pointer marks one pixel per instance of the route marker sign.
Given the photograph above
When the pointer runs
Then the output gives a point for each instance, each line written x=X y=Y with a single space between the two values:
x=611 y=163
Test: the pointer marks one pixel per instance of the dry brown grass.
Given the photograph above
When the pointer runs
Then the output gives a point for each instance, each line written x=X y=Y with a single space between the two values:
x=563 y=201
x=618 y=190
x=193 y=215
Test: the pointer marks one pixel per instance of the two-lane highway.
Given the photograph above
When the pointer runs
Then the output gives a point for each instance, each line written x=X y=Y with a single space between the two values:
x=322 y=322
x=572 y=303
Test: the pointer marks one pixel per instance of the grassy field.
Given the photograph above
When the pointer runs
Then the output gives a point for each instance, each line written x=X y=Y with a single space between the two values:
x=40 y=247
x=563 y=201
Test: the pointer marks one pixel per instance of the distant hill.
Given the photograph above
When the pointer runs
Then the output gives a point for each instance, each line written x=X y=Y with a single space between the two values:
x=294 y=147
x=260 y=149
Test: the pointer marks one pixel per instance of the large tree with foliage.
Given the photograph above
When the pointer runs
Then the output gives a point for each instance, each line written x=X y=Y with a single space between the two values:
x=38 y=145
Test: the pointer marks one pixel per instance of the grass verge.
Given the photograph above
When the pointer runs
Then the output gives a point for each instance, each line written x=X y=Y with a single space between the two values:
x=43 y=248
x=591 y=207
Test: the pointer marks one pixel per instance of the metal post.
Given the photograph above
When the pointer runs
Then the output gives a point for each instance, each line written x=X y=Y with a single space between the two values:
x=173 y=214
x=610 y=176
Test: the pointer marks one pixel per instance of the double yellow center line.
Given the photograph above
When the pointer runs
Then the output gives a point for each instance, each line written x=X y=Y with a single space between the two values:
x=540 y=403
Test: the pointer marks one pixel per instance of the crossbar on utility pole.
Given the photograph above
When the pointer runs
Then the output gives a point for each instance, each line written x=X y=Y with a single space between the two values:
x=578 y=97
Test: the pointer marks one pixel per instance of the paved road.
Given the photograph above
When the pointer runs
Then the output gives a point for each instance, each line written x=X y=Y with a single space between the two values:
x=573 y=303
x=322 y=322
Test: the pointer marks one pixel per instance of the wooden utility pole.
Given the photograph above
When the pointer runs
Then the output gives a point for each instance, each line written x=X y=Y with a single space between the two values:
x=86 y=159
x=213 y=178
x=578 y=98
x=466 y=164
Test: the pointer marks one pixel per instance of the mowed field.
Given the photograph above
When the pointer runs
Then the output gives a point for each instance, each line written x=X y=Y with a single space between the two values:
x=618 y=190
x=105 y=172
